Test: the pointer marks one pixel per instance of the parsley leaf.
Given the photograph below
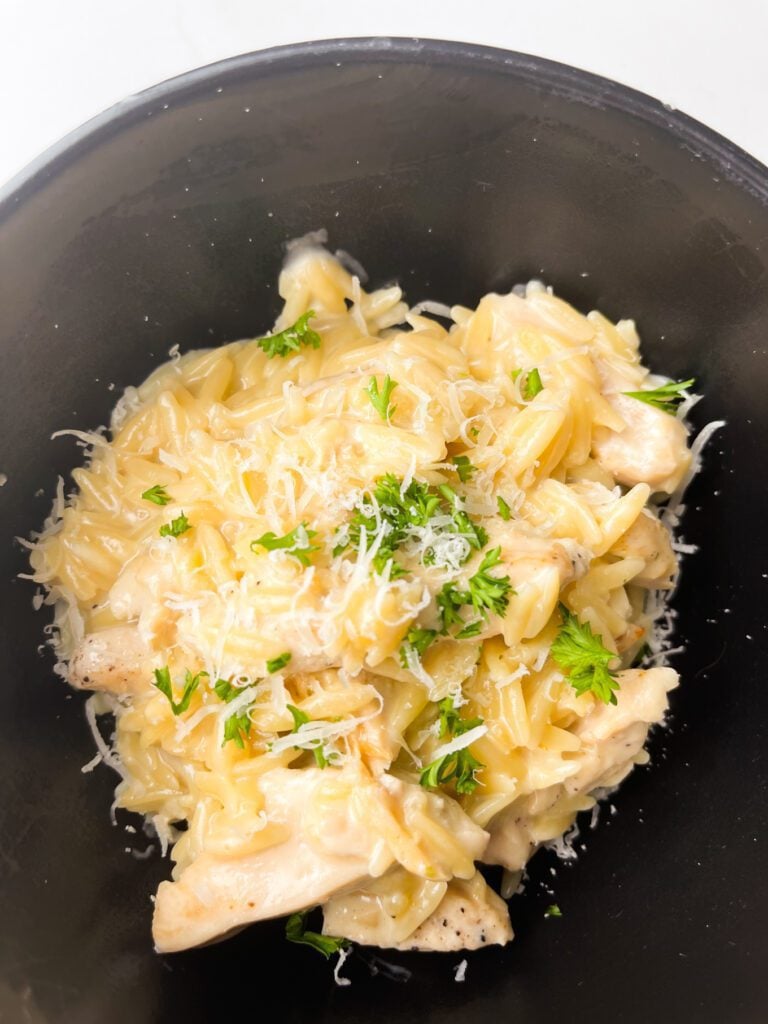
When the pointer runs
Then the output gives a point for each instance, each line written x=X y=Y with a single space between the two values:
x=416 y=642
x=470 y=630
x=295 y=931
x=302 y=718
x=464 y=467
x=401 y=510
x=532 y=385
x=380 y=399
x=292 y=338
x=448 y=717
x=238 y=726
x=164 y=685
x=504 y=510
x=582 y=654
x=176 y=527
x=489 y=593
x=449 y=601
x=296 y=543
x=665 y=397
x=157 y=495
x=225 y=690
x=275 y=664
x=472 y=532
x=460 y=766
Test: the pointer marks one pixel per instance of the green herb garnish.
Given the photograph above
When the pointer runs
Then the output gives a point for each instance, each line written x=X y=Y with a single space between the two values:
x=225 y=690
x=489 y=593
x=296 y=931
x=238 y=726
x=532 y=385
x=302 y=718
x=176 y=527
x=275 y=664
x=380 y=399
x=553 y=911
x=460 y=766
x=292 y=338
x=472 y=532
x=470 y=630
x=164 y=685
x=504 y=510
x=296 y=543
x=157 y=495
x=416 y=642
x=667 y=397
x=449 y=600
x=399 y=510
x=583 y=655
x=464 y=467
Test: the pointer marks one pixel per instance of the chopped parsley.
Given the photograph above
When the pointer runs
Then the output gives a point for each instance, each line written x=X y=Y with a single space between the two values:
x=302 y=718
x=464 y=467
x=416 y=642
x=225 y=690
x=583 y=655
x=489 y=593
x=504 y=510
x=176 y=527
x=553 y=911
x=275 y=664
x=164 y=685
x=292 y=338
x=470 y=630
x=238 y=726
x=297 y=543
x=485 y=594
x=472 y=532
x=399 y=511
x=667 y=397
x=157 y=495
x=449 y=601
x=460 y=766
x=380 y=399
x=296 y=931
x=532 y=385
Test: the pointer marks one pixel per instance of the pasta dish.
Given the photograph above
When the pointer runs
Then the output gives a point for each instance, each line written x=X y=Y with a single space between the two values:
x=373 y=600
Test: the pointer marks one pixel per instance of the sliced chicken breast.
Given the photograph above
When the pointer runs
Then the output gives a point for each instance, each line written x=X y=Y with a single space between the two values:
x=612 y=736
x=650 y=449
x=216 y=895
x=469 y=916
x=116 y=660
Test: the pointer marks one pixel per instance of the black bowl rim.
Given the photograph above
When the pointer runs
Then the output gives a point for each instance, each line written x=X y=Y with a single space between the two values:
x=734 y=163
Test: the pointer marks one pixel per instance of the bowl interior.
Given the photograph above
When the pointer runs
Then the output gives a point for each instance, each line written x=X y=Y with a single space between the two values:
x=454 y=170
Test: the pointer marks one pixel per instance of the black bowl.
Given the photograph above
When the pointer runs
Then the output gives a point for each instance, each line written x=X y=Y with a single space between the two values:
x=456 y=170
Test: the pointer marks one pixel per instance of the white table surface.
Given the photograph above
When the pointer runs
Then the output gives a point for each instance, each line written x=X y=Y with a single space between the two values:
x=62 y=61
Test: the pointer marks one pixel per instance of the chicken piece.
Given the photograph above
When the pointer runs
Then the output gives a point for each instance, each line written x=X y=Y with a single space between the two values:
x=116 y=660
x=384 y=911
x=523 y=553
x=649 y=538
x=469 y=916
x=612 y=738
x=217 y=895
x=650 y=449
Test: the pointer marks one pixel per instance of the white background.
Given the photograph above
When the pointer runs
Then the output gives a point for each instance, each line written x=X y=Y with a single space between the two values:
x=62 y=61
